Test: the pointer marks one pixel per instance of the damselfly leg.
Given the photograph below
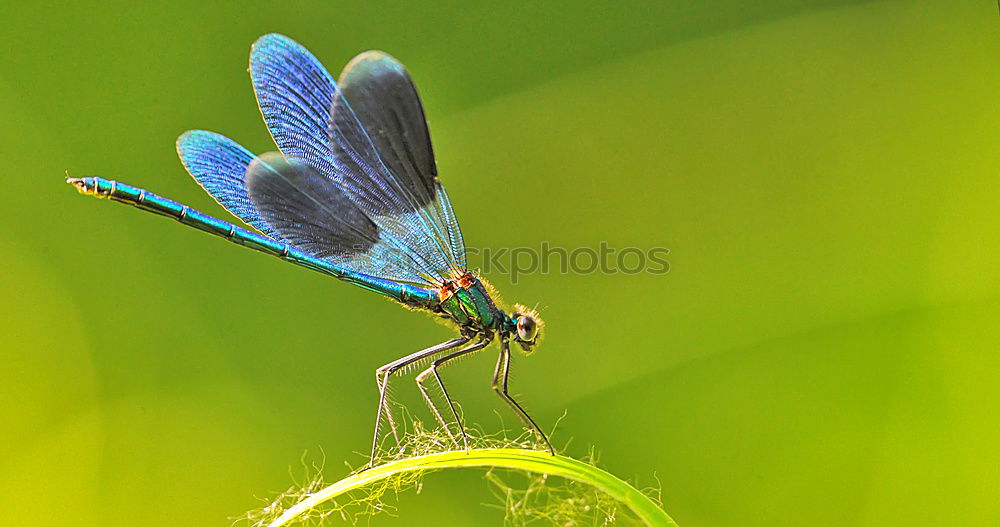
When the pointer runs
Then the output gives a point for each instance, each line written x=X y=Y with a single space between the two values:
x=382 y=379
x=432 y=370
x=500 y=377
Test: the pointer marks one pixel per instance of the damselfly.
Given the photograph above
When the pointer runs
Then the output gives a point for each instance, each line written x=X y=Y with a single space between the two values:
x=353 y=193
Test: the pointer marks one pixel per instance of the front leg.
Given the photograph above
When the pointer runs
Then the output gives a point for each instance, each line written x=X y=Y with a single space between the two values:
x=500 y=376
x=382 y=379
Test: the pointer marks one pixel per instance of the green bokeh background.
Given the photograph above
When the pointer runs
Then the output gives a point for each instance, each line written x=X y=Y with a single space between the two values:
x=823 y=351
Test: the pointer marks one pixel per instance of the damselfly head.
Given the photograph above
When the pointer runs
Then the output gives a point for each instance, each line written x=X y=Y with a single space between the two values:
x=527 y=327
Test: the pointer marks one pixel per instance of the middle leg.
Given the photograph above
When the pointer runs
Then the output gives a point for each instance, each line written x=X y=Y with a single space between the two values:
x=432 y=370
x=382 y=378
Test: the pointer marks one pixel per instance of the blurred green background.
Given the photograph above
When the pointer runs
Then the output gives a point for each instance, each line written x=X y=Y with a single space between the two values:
x=823 y=351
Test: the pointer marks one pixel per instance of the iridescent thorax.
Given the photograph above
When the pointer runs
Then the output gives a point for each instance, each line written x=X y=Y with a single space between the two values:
x=466 y=301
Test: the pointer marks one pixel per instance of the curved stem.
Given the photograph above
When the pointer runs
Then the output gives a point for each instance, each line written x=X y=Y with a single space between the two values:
x=512 y=458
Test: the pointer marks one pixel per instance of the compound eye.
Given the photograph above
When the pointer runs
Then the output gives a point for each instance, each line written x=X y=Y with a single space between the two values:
x=526 y=328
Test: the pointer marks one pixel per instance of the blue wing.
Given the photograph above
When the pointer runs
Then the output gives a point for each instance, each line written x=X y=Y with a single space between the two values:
x=286 y=192
x=297 y=206
x=384 y=101
x=218 y=164
x=314 y=214
x=391 y=178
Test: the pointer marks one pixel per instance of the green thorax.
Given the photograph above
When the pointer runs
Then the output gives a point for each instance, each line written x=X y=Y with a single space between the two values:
x=468 y=303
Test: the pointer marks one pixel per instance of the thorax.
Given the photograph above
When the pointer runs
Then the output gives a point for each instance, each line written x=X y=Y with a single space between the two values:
x=467 y=302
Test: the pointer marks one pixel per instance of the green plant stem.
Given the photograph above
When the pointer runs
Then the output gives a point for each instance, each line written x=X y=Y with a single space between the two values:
x=512 y=458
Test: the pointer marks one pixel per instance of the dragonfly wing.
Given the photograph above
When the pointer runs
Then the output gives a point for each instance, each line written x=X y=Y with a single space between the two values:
x=311 y=212
x=377 y=94
x=295 y=96
x=379 y=132
x=218 y=164
x=312 y=121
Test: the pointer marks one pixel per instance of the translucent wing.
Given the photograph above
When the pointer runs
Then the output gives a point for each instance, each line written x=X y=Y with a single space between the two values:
x=311 y=212
x=385 y=102
x=378 y=94
x=306 y=209
x=218 y=164
x=392 y=177
x=290 y=202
